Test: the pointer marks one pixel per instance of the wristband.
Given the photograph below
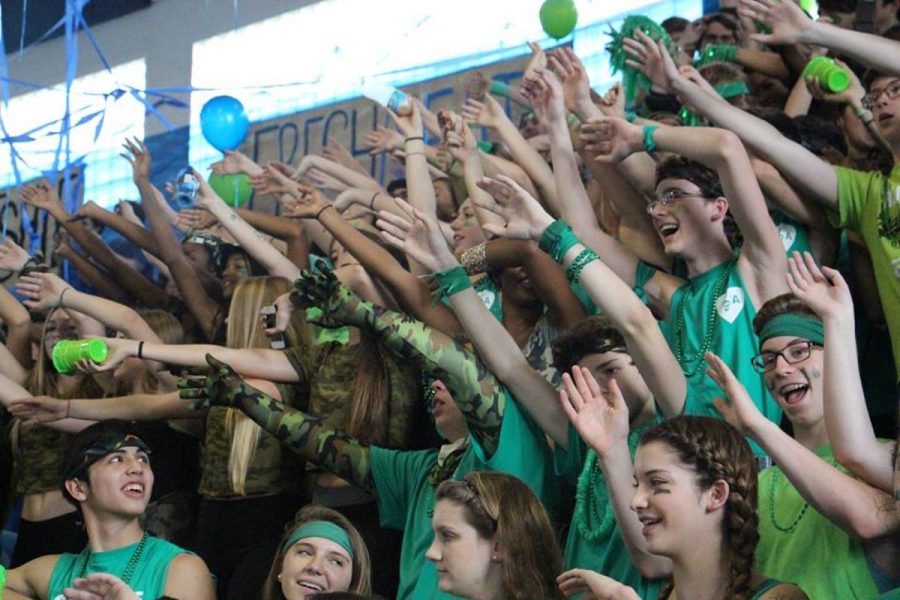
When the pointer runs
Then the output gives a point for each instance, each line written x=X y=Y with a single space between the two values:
x=321 y=210
x=717 y=53
x=649 y=142
x=474 y=259
x=450 y=282
x=557 y=239
x=140 y=352
x=415 y=137
x=498 y=88
x=730 y=89
x=584 y=258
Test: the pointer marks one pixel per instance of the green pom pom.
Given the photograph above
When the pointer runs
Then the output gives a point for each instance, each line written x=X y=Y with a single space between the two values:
x=632 y=79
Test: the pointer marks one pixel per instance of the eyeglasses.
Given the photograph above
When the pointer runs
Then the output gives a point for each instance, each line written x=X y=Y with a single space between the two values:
x=871 y=99
x=670 y=197
x=792 y=353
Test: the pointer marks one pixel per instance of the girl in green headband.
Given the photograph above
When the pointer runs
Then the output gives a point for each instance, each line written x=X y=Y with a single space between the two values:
x=321 y=551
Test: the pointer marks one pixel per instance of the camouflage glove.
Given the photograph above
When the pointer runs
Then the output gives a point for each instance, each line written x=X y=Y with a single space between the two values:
x=222 y=387
x=324 y=291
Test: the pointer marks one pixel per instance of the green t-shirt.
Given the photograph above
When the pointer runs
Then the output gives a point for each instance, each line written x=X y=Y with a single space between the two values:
x=606 y=552
x=814 y=553
x=731 y=338
x=869 y=204
x=406 y=500
x=149 y=580
x=794 y=234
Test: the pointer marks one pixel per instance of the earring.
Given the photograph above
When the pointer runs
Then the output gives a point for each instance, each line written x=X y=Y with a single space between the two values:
x=279 y=578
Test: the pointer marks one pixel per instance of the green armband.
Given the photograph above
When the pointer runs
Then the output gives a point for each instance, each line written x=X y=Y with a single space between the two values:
x=584 y=258
x=498 y=88
x=450 y=282
x=730 y=89
x=557 y=239
x=649 y=142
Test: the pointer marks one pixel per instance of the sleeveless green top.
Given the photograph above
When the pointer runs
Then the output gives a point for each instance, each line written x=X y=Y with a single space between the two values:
x=149 y=580
x=794 y=235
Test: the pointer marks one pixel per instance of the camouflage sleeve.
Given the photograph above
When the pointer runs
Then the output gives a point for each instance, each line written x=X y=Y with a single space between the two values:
x=304 y=434
x=474 y=388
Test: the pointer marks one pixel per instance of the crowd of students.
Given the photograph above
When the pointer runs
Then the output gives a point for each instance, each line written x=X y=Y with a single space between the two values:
x=643 y=349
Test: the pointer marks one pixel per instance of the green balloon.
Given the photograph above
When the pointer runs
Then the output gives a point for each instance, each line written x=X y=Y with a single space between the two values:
x=235 y=190
x=558 y=17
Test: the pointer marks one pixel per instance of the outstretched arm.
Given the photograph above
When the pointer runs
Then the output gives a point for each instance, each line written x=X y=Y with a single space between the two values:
x=304 y=434
x=18 y=326
x=475 y=390
x=846 y=417
x=853 y=505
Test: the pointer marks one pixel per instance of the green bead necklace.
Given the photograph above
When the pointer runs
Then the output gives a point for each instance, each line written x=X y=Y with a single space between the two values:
x=586 y=511
x=772 y=490
x=711 y=322
x=128 y=573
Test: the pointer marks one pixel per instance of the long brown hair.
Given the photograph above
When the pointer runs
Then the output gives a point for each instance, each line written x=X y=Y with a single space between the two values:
x=503 y=508
x=360 y=582
x=715 y=450
x=43 y=380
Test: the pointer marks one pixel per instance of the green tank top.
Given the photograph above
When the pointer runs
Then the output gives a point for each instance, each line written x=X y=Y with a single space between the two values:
x=794 y=235
x=148 y=582
x=712 y=311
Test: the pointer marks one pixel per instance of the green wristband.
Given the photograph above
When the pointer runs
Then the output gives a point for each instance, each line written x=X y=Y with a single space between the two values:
x=649 y=142
x=557 y=239
x=498 y=88
x=452 y=281
x=584 y=258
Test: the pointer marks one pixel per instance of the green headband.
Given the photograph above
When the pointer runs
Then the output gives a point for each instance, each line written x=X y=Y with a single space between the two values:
x=792 y=324
x=320 y=529
x=730 y=89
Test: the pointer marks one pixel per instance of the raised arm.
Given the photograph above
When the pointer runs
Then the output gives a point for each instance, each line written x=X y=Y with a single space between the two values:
x=475 y=390
x=298 y=243
x=204 y=308
x=304 y=434
x=94 y=276
x=131 y=231
x=846 y=417
x=18 y=324
x=421 y=237
x=790 y=25
x=349 y=177
x=853 y=505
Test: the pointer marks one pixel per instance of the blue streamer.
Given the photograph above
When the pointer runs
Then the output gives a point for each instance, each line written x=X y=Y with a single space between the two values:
x=24 y=22
x=4 y=68
x=152 y=110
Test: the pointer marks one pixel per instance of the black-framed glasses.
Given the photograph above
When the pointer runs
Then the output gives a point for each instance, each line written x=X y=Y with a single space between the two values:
x=871 y=99
x=670 y=197
x=792 y=353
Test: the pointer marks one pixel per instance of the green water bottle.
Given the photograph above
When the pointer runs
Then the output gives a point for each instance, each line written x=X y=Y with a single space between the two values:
x=67 y=352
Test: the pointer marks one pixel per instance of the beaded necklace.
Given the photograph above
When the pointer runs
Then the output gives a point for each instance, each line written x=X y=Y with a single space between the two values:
x=772 y=491
x=586 y=511
x=128 y=573
x=711 y=322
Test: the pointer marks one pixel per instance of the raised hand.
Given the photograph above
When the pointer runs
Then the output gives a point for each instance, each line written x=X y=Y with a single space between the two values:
x=487 y=113
x=544 y=91
x=273 y=180
x=525 y=218
x=38 y=410
x=12 y=256
x=738 y=409
x=600 y=587
x=601 y=418
x=382 y=140
x=138 y=157
x=42 y=195
x=233 y=163
x=99 y=586
x=324 y=181
x=41 y=290
x=195 y=218
x=823 y=290
x=538 y=59
x=320 y=289
x=284 y=308
x=612 y=140
x=652 y=59
x=787 y=21
x=409 y=125
x=576 y=85
x=462 y=145
x=306 y=203
x=476 y=85
x=691 y=73
x=222 y=387
x=853 y=95
x=418 y=235
x=612 y=104
x=336 y=152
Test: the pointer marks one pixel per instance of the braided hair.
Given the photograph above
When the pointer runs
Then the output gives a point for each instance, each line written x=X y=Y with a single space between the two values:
x=716 y=450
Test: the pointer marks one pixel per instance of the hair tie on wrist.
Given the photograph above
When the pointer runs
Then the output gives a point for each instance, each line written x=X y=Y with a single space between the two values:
x=372 y=201
x=557 y=239
x=321 y=210
x=415 y=137
x=61 y=296
x=649 y=142
x=140 y=352
x=450 y=282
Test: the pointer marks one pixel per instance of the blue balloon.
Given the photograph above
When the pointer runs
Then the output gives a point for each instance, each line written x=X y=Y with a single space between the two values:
x=224 y=123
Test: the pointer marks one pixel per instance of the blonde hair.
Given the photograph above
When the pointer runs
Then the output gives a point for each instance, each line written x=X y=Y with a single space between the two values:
x=246 y=330
x=169 y=331
x=43 y=380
